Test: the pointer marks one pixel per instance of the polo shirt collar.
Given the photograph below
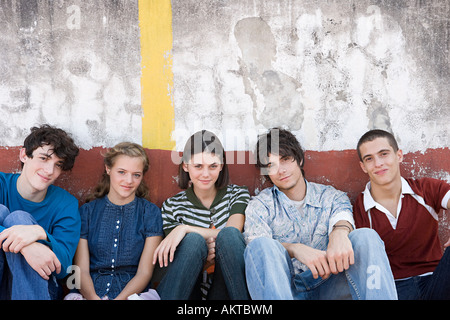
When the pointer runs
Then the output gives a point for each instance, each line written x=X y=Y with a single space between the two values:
x=370 y=203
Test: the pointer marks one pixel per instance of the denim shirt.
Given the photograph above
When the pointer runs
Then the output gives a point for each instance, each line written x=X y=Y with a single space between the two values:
x=272 y=214
x=116 y=236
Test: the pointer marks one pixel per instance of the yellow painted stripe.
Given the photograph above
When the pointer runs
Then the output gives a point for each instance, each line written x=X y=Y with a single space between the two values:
x=155 y=22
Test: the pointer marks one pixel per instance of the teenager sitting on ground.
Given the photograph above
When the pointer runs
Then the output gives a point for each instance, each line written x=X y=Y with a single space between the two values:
x=120 y=230
x=301 y=242
x=404 y=212
x=204 y=246
x=39 y=222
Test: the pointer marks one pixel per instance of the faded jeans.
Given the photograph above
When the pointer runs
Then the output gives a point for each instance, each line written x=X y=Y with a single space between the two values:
x=190 y=256
x=270 y=273
x=18 y=281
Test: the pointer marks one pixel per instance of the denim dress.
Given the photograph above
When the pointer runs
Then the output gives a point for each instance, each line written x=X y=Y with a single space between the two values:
x=116 y=236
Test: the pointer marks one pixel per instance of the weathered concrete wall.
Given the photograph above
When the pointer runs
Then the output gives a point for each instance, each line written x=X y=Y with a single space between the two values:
x=75 y=64
x=328 y=70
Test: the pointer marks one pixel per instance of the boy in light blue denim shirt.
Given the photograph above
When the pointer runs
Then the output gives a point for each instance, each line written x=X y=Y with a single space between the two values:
x=301 y=238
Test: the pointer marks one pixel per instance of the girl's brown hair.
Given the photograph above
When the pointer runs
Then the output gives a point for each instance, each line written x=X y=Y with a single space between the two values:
x=109 y=158
x=203 y=141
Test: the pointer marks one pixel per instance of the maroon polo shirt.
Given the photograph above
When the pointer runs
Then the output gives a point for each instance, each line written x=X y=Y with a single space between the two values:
x=413 y=246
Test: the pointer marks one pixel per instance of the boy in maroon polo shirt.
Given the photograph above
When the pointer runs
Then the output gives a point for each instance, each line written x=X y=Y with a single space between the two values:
x=404 y=212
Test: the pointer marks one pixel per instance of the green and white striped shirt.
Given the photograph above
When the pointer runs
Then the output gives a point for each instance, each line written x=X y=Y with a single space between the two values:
x=186 y=208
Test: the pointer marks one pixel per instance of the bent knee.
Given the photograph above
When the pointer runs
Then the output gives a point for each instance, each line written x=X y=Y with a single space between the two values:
x=365 y=237
x=18 y=218
x=263 y=245
x=261 y=242
x=229 y=235
x=193 y=238
x=4 y=212
x=194 y=243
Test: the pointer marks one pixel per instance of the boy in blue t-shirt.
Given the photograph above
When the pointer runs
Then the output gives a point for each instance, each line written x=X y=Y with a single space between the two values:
x=39 y=222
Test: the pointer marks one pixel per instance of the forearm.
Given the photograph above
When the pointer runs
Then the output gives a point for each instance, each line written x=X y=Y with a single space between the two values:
x=343 y=224
x=340 y=253
x=236 y=220
x=204 y=232
x=145 y=270
x=294 y=248
x=136 y=285
x=87 y=289
x=82 y=260
x=314 y=259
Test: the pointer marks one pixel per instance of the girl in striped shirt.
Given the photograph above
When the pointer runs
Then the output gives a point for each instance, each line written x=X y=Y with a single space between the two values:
x=203 y=227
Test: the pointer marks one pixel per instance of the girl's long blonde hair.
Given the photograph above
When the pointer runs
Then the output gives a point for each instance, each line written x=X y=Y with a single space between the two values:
x=129 y=149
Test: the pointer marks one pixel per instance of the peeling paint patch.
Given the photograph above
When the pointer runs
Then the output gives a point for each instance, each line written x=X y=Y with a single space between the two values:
x=329 y=71
x=61 y=64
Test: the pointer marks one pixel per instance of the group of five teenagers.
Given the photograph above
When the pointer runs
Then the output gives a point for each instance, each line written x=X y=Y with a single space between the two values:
x=295 y=239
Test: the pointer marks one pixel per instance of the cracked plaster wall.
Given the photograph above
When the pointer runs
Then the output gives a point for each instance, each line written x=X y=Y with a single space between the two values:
x=328 y=70
x=74 y=64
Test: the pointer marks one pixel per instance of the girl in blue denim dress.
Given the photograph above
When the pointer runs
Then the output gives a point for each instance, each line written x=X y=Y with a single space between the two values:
x=120 y=230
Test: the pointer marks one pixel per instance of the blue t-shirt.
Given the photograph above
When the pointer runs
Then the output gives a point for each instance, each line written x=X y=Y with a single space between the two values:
x=57 y=214
x=116 y=236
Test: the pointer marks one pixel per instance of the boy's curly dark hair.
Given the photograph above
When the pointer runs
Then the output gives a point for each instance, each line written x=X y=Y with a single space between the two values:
x=63 y=145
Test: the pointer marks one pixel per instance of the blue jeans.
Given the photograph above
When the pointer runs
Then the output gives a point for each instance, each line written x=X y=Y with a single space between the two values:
x=431 y=287
x=271 y=276
x=190 y=256
x=18 y=281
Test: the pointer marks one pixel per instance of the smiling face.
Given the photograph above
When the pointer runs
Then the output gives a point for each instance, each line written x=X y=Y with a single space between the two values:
x=125 y=177
x=380 y=161
x=204 y=170
x=39 y=172
x=285 y=173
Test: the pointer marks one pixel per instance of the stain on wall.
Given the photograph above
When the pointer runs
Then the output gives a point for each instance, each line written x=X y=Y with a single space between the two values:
x=75 y=64
x=270 y=90
x=328 y=70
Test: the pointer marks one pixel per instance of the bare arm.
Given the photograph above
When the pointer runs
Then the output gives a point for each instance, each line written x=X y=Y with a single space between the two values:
x=165 y=252
x=166 y=249
x=145 y=269
x=19 y=236
x=314 y=259
x=42 y=259
x=339 y=254
x=340 y=251
x=237 y=221
x=82 y=260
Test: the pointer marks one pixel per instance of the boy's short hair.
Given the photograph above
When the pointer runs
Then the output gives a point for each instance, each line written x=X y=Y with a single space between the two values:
x=280 y=142
x=63 y=145
x=374 y=134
